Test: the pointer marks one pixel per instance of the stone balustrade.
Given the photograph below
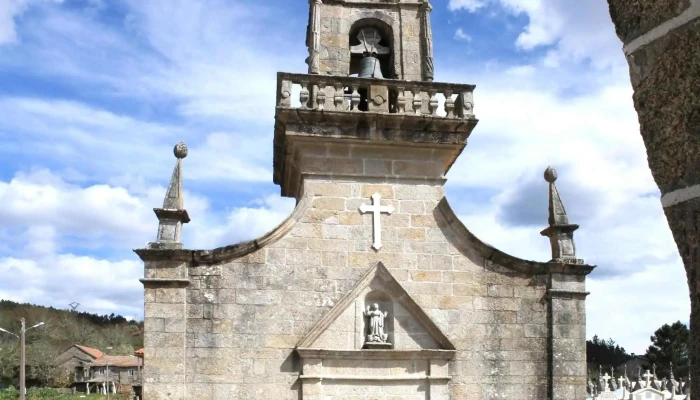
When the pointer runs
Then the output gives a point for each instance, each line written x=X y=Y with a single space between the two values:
x=352 y=94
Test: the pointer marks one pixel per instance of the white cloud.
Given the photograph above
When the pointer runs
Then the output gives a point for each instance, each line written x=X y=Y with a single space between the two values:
x=44 y=204
x=100 y=286
x=42 y=216
x=526 y=124
x=219 y=66
x=240 y=224
x=205 y=59
x=577 y=30
x=631 y=308
x=469 y=5
x=461 y=36
x=231 y=157
x=54 y=232
x=193 y=58
x=58 y=132
x=9 y=9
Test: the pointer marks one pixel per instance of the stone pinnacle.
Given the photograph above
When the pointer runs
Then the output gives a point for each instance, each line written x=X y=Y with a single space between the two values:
x=550 y=174
x=180 y=150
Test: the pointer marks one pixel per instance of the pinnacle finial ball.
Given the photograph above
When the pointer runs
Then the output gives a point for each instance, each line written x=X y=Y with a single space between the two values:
x=550 y=175
x=180 y=150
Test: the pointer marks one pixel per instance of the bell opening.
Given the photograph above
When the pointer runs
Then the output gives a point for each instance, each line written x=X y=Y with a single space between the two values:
x=371 y=49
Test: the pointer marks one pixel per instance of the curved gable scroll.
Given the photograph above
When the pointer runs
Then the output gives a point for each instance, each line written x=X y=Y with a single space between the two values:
x=466 y=237
x=232 y=252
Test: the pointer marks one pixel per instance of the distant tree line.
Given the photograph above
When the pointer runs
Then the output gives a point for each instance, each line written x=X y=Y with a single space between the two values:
x=7 y=306
x=606 y=353
x=669 y=345
x=63 y=329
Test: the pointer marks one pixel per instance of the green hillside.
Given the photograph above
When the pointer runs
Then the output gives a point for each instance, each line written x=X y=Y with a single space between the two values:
x=63 y=329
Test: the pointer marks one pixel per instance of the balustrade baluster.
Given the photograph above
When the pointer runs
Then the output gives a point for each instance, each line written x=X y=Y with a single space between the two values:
x=339 y=98
x=449 y=103
x=417 y=100
x=466 y=105
x=355 y=98
x=304 y=95
x=321 y=95
x=401 y=100
x=286 y=93
x=433 y=103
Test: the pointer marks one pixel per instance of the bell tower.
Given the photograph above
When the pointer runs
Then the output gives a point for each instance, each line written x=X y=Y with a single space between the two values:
x=368 y=108
x=360 y=37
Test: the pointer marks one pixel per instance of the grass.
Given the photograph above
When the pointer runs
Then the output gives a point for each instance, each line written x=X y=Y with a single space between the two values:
x=51 y=394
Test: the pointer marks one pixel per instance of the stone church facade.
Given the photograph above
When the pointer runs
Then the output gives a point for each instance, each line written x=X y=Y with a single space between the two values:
x=372 y=288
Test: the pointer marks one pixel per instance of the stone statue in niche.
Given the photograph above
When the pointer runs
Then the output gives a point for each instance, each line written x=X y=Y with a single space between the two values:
x=375 y=332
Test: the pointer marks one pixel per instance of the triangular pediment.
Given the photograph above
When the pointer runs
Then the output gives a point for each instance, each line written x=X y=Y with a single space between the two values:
x=410 y=328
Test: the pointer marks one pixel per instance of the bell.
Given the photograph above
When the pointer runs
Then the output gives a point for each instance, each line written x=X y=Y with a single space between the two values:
x=370 y=68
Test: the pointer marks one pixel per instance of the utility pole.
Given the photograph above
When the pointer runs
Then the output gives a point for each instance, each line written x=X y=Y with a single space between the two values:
x=22 y=361
x=22 y=355
x=109 y=386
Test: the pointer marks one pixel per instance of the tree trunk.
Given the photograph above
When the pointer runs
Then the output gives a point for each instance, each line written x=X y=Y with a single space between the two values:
x=661 y=45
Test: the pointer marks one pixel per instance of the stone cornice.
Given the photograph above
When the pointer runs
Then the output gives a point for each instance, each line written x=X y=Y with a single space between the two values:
x=164 y=254
x=556 y=229
x=466 y=237
x=375 y=179
x=153 y=283
x=374 y=378
x=412 y=128
x=559 y=293
x=568 y=268
x=388 y=5
x=377 y=354
x=174 y=214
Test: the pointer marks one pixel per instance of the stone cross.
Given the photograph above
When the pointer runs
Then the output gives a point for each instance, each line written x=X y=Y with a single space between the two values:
x=376 y=209
x=621 y=381
x=606 y=378
x=648 y=377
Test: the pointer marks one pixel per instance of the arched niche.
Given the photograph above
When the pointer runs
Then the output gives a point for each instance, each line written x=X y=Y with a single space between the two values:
x=385 y=30
x=387 y=22
x=385 y=304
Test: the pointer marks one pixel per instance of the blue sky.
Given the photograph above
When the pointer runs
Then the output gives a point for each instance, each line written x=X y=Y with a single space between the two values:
x=94 y=94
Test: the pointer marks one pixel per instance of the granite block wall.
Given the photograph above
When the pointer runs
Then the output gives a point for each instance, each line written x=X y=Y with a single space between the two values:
x=231 y=332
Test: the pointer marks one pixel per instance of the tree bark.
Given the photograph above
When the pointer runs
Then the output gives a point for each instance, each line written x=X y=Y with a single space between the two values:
x=665 y=73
